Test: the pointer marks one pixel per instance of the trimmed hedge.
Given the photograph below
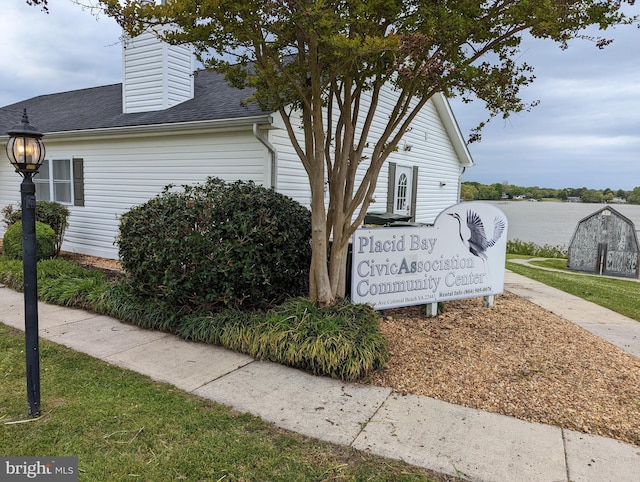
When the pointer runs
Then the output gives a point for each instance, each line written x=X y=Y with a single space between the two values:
x=217 y=245
x=45 y=241
x=52 y=213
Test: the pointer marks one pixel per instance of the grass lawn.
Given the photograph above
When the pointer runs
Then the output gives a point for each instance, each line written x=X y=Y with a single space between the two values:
x=617 y=294
x=123 y=426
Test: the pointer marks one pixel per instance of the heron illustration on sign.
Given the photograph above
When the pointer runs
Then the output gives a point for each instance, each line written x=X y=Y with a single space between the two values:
x=473 y=235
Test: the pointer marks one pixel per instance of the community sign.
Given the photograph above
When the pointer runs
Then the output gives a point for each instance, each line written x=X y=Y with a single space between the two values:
x=462 y=255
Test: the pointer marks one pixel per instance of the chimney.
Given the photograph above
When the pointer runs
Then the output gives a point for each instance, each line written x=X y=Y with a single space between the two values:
x=156 y=75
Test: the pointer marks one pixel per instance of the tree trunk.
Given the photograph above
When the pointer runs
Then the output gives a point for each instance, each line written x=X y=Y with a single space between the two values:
x=338 y=268
x=319 y=283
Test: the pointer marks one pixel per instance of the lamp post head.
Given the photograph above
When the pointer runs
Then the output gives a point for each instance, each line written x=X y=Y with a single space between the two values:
x=25 y=148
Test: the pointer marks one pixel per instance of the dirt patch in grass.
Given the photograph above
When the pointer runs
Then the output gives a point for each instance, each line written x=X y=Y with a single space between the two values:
x=96 y=262
x=515 y=359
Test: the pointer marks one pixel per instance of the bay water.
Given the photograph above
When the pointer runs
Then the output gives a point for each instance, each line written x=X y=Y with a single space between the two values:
x=554 y=223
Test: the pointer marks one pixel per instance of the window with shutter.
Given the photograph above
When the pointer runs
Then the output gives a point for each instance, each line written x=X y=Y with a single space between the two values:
x=61 y=180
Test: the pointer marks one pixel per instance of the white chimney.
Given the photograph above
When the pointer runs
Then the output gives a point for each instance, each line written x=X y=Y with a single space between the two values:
x=156 y=75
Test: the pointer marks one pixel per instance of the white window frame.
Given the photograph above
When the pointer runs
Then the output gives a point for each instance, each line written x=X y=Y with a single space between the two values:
x=52 y=182
x=401 y=192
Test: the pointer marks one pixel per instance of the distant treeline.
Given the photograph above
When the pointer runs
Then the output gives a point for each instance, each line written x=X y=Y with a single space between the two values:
x=472 y=191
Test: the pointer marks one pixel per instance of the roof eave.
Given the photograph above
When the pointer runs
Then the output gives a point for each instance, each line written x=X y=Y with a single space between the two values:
x=193 y=127
x=453 y=129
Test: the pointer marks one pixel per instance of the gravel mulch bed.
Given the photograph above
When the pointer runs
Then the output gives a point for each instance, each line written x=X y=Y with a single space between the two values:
x=515 y=359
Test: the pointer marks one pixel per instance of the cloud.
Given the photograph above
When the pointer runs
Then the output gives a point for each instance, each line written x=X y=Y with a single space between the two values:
x=584 y=132
x=65 y=50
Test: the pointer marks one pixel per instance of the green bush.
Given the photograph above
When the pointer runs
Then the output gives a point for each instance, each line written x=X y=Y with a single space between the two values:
x=55 y=215
x=216 y=245
x=517 y=246
x=11 y=215
x=45 y=241
x=52 y=213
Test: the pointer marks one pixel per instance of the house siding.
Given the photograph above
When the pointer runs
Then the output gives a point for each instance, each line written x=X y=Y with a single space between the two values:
x=120 y=173
x=432 y=153
x=125 y=167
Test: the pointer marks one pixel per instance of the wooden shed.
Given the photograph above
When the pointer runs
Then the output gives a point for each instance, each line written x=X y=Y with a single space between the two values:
x=605 y=242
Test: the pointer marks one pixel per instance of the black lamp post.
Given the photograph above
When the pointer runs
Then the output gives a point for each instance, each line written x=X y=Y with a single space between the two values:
x=26 y=153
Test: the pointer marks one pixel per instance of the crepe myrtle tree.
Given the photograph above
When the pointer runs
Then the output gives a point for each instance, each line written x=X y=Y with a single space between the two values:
x=44 y=5
x=325 y=62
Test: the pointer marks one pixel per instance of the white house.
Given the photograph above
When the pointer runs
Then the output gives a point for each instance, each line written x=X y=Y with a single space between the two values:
x=112 y=147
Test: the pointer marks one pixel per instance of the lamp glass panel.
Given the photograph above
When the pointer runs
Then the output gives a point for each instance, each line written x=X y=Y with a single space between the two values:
x=25 y=151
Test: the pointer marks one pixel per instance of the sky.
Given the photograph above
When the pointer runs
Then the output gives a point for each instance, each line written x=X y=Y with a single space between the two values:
x=584 y=133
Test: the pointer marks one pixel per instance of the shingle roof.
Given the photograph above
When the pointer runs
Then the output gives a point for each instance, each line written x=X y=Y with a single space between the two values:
x=101 y=107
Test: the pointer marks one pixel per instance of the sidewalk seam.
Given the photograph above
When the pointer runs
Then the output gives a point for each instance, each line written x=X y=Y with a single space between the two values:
x=364 y=424
x=240 y=367
x=566 y=455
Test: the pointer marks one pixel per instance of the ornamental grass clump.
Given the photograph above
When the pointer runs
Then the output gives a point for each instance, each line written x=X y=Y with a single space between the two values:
x=217 y=245
x=342 y=341
x=60 y=282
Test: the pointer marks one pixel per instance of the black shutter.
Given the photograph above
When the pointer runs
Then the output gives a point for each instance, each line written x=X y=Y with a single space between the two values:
x=78 y=181
x=414 y=193
x=391 y=186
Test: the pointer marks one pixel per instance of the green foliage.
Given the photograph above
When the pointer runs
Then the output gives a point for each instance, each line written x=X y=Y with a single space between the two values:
x=592 y=196
x=342 y=341
x=55 y=215
x=468 y=192
x=11 y=215
x=68 y=284
x=634 y=196
x=461 y=46
x=11 y=272
x=327 y=63
x=45 y=241
x=471 y=190
x=216 y=245
x=488 y=193
x=60 y=282
x=52 y=213
x=517 y=246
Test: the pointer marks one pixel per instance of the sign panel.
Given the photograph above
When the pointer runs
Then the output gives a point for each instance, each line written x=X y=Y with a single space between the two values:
x=462 y=255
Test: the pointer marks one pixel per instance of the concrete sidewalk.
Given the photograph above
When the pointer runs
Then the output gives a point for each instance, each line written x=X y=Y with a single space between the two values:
x=447 y=438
